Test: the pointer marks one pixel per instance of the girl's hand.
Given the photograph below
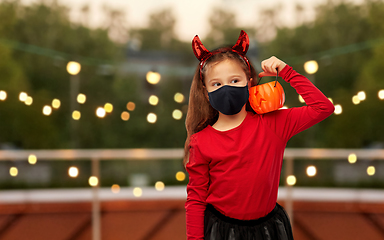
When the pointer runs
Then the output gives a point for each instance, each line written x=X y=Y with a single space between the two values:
x=269 y=66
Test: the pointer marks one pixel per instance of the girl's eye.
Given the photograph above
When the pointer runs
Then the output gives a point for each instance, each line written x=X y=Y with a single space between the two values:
x=235 y=81
x=216 y=84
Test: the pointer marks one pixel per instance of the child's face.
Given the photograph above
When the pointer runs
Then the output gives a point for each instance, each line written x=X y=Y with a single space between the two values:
x=227 y=72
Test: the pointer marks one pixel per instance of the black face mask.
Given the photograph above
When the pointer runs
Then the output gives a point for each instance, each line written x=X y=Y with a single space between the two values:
x=229 y=100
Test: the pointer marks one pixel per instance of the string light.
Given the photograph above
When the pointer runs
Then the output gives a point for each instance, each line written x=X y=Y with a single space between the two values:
x=381 y=94
x=115 y=188
x=180 y=176
x=73 y=68
x=93 y=181
x=179 y=97
x=32 y=159
x=137 y=192
x=153 y=100
x=153 y=77
x=159 y=186
x=73 y=172
x=28 y=101
x=151 y=118
x=131 y=106
x=100 y=112
x=362 y=96
x=56 y=103
x=356 y=100
x=76 y=115
x=23 y=96
x=311 y=171
x=352 y=158
x=338 y=109
x=177 y=114
x=81 y=98
x=108 y=107
x=13 y=171
x=311 y=67
x=47 y=110
x=3 y=95
x=125 y=116
x=301 y=99
x=291 y=180
x=371 y=170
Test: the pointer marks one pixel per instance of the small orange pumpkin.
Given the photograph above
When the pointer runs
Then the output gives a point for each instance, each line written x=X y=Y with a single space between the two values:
x=266 y=97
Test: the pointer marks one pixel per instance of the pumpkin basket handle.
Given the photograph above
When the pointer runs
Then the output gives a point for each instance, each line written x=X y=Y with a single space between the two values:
x=277 y=74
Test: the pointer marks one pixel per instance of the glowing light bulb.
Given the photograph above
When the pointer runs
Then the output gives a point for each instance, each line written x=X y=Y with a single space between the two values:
x=3 y=95
x=13 y=171
x=151 y=118
x=93 y=181
x=73 y=68
x=352 y=158
x=311 y=171
x=100 y=112
x=23 y=96
x=76 y=115
x=291 y=180
x=159 y=186
x=153 y=77
x=361 y=95
x=371 y=170
x=28 y=101
x=338 y=109
x=137 y=192
x=179 y=97
x=125 y=116
x=32 y=159
x=56 y=103
x=108 y=107
x=115 y=188
x=177 y=114
x=311 y=67
x=81 y=98
x=47 y=110
x=381 y=94
x=73 y=172
x=180 y=176
x=153 y=100
x=356 y=100
x=131 y=106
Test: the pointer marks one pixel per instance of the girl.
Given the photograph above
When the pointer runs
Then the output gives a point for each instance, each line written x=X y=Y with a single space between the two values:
x=234 y=156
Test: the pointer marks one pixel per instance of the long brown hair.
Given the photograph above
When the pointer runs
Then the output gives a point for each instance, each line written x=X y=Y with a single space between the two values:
x=200 y=112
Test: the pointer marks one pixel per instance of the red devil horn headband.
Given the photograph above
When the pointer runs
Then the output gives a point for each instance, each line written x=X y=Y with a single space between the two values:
x=202 y=54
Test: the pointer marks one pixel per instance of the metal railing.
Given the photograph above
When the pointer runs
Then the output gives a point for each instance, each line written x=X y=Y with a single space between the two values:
x=152 y=154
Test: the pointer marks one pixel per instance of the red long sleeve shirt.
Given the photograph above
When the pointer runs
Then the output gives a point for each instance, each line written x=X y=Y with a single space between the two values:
x=238 y=170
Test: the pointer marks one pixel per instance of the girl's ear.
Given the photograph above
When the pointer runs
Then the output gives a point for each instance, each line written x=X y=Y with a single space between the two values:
x=250 y=83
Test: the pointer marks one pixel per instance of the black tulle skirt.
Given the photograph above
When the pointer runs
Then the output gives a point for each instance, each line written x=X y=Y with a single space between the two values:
x=274 y=226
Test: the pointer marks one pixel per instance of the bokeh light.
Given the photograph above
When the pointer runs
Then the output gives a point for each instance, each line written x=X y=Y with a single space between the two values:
x=356 y=100
x=291 y=180
x=125 y=116
x=371 y=170
x=301 y=99
x=179 y=97
x=93 y=181
x=108 y=107
x=352 y=158
x=23 y=96
x=115 y=188
x=361 y=95
x=56 y=103
x=311 y=171
x=330 y=99
x=153 y=100
x=311 y=67
x=137 y=192
x=151 y=118
x=73 y=172
x=81 y=98
x=180 y=176
x=73 y=68
x=380 y=94
x=47 y=110
x=100 y=112
x=28 y=101
x=153 y=77
x=177 y=114
x=13 y=171
x=3 y=95
x=131 y=106
x=76 y=115
x=159 y=185
x=338 y=109
x=32 y=159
